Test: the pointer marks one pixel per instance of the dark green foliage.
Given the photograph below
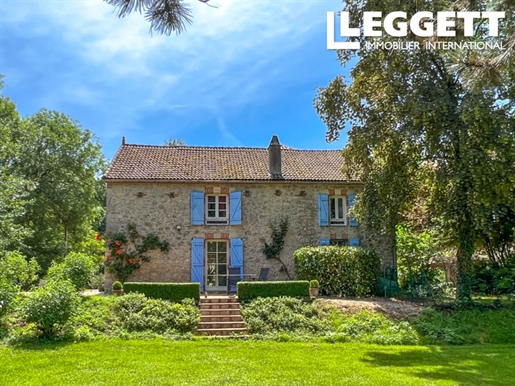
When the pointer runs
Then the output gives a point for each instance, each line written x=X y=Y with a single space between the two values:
x=63 y=162
x=249 y=290
x=50 y=307
x=341 y=271
x=138 y=313
x=282 y=314
x=168 y=291
x=414 y=126
x=78 y=268
x=466 y=326
x=489 y=279
x=165 y=17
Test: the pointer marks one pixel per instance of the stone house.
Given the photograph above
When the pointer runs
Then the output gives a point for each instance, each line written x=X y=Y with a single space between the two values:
x=214 y=205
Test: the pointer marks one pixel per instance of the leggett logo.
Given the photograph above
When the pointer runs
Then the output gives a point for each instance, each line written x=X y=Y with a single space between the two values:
x=421 y=24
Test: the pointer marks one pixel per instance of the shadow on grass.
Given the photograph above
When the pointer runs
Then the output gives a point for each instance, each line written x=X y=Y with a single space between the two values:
x=477 y=365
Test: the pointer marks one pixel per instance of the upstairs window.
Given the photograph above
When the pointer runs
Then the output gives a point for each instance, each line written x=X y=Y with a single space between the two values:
x=337 y=210
x=332 y=210
x=217 y=209
x=213 y=209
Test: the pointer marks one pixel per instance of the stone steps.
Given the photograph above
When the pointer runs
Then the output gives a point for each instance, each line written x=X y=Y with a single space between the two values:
x=220 y=316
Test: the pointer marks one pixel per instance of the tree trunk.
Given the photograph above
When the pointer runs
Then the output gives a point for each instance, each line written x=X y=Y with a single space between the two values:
x=464 y=267
x=465 y=243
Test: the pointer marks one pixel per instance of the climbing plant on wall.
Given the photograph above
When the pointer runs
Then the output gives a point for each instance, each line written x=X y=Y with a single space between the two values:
x=127 y=250
x=273 y=250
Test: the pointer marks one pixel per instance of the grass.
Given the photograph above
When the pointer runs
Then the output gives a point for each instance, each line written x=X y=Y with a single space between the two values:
x=229 y=362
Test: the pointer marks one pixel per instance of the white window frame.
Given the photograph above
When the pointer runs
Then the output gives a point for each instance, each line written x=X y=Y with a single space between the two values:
x=337 y=220
x=217 y=263
x=217 y=219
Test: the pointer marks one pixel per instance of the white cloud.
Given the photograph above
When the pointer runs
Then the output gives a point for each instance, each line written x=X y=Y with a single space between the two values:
x=195 y=70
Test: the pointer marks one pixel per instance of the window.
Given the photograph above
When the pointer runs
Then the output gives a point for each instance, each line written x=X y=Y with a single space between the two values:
x=340 y=242
x=216 y=209
x=332 y=210
x=337 y=210
x=211 y=260
x=212 y=209
x=216 y=264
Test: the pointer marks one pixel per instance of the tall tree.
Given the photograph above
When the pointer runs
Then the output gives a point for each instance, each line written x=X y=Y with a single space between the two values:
x=62 y=162
x=410 y=120
x=13 y=188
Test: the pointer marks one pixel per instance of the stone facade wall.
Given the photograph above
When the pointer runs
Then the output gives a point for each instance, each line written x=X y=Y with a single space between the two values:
x=163 y=208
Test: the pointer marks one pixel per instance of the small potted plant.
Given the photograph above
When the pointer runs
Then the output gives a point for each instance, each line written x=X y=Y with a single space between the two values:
x=313 y=288
x=118 y=288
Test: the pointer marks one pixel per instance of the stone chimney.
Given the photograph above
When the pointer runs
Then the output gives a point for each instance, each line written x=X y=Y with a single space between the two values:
x=274 y=157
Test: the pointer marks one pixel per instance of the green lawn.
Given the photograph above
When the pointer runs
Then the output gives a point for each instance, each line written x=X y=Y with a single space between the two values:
x=204 y=362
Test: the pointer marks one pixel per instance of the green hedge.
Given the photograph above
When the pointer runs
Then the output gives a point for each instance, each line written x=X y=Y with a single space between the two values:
x=248 y=290
x=341 y=271
x=168 y=291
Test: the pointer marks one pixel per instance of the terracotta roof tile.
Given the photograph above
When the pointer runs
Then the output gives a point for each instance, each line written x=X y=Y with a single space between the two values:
x=192 y=163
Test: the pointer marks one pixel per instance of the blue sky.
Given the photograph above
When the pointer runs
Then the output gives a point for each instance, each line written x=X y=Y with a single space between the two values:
x=239 y=74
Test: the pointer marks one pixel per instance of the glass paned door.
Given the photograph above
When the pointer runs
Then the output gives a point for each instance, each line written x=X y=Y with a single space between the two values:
x=216 y=265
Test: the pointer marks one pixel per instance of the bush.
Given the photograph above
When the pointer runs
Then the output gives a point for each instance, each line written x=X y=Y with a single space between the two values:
x=490 y=280
x=419 y=256
x=470 y=326
x=16 y=270
x=137 y=313
x=341 y=271
x=368 y=327
x=282 y=314
x=266 y=289
x=7 y=296
x=78 y=268
x=96 y=313
x=50 y=307
x=167 y=291
x=117 y=285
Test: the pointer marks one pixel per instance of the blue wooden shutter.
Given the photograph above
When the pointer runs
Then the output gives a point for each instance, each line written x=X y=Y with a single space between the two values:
x=237 y=257
x=354 y=242
x=352 y=221
x=323 y=210
x=197 y=208
x=197 y=261
x=324 y=241
x=235 y=206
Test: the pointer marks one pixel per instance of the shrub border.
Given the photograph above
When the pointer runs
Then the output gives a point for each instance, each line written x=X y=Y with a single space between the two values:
x=167 y=291
x=248 y=290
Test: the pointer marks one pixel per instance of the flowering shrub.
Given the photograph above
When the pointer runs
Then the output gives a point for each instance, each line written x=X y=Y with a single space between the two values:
x=126 y=251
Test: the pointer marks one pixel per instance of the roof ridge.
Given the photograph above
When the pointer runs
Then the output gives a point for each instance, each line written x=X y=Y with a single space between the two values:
x=283 y=148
